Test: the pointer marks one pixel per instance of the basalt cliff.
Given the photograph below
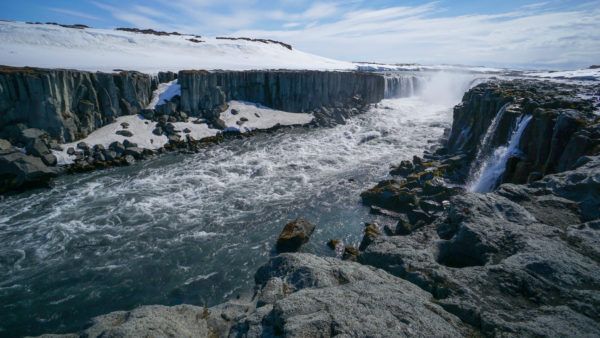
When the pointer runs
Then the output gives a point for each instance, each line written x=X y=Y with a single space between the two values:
x=42 y=108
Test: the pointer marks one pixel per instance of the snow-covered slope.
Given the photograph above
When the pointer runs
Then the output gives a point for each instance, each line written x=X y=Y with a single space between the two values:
x=579 y=74
x=52 y=46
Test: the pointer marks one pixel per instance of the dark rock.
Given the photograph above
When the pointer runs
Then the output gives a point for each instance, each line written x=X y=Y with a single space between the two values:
x=125 y=133
x=405 y=168
x=371 y=232
x=5 y=145
x=98 y=148
x=128 y=160
x=125 y=125
x=49 y=160
x=71 y=151
x=19 y=171
x=83 y=146
x=294 y=235
x=243 y=119
x=350 y=253
x=234 y=111
x=157 y=131
x=110 y=155
x=37 y=148
x=137 y=153
x=333 y=243
x=128 y=144
x=187 y=130
x=218 y=123
x=118 y=147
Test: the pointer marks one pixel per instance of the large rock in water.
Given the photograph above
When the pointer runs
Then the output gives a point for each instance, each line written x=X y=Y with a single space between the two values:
x=294 y=235
x=20 y=171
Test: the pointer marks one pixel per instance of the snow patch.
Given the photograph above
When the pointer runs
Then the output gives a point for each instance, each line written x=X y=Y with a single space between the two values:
x=140 y=127
x=579 y=74
x=164 y=93
x=260 y=117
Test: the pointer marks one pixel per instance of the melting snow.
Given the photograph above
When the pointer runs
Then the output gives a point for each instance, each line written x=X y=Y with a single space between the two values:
x=260 y=117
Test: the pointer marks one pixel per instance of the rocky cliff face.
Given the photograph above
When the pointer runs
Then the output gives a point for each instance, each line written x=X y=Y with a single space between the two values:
x=68 y=104
x=563 y=127
x=206 y=93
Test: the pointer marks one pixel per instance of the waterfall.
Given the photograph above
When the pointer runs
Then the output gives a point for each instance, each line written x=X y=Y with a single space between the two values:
x=401 y=85
x=486 y=143
x=493 y=167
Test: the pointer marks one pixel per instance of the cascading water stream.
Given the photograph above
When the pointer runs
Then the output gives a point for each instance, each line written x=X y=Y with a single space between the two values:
x=401 y=85
x=485 y=148
x=493 y=168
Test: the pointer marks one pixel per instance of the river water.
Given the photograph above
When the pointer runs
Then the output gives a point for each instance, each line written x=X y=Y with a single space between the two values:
x=194 y=228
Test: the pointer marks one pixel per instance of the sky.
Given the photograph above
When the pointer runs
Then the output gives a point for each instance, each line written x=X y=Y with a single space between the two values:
x=553 y=34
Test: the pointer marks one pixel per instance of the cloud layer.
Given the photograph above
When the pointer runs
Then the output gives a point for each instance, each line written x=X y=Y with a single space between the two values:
x=552 y=34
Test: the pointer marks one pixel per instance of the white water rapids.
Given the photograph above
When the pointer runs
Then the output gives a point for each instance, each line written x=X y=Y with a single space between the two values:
x=194 y=228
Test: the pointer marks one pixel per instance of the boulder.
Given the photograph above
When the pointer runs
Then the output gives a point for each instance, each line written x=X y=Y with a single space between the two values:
x=5 y=145
x=118 y=147
x=49 y=160
x=19 y=171
x=137 y=153
x=37 y=148
x=125 y=133
x=294 y=235
x=128 y=144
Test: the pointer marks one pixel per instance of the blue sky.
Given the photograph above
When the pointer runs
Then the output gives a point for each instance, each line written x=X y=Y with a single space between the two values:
x=546 y=34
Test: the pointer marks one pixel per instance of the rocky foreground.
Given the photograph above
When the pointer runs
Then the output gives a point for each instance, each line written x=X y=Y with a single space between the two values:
x=520 y=261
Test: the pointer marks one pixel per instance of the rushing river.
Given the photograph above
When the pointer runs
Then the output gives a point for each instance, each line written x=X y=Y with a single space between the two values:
x=194 y=228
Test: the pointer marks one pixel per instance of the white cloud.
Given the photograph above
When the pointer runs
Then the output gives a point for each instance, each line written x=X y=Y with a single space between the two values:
x=532 y=35
x=74 y=13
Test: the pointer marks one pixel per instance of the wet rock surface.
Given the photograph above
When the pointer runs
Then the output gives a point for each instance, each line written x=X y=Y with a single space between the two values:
x=294 y=235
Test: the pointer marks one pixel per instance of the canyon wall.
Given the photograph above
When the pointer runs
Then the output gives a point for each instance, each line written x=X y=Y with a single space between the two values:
x=69 y=104
x=205 y=93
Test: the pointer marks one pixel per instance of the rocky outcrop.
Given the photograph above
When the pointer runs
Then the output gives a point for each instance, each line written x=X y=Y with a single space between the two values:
x=19 y=171
x=68 y=104
x=206 y=93
x=521 y=261
x=299 y=295
x=563 y=127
